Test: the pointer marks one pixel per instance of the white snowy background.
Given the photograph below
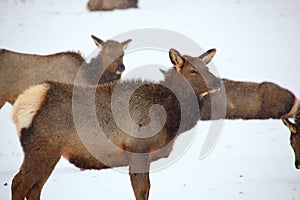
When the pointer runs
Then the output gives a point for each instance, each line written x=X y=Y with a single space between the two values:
x=256 y=41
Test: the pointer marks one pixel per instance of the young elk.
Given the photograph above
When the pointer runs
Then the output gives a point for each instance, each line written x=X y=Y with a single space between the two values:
x=247 y=100
x=295 y=135
x=111 y=5
x=48 y=127
x=18 y=71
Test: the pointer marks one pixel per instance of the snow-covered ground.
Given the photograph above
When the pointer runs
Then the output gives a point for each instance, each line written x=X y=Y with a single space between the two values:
x=256 y=41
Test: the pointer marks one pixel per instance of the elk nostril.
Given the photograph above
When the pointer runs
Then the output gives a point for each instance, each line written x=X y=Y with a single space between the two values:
x=121 y=68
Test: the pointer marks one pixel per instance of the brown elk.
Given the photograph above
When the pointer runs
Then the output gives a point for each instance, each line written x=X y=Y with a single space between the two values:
x=49 y=127
x=19 y=71
x=295 y=135
x=247 y=100
x=106 y=5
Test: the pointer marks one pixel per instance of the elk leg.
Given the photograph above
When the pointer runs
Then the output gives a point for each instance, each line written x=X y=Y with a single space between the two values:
x=40 y=159
x=20 y=186
x=29 y=181
x=35 y=191
x=139 y=176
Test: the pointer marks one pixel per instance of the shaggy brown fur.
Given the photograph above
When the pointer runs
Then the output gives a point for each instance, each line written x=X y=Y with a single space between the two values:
x=248 y=100
x=52 y=132
x=106 y=5
x=295 y=135
x=19 y=71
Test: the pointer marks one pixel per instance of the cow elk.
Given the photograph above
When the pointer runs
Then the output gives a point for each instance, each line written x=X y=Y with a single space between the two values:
x=295 y=135
x=248 y=100
x=106 y=5
x=20 y=71
x=48 y=128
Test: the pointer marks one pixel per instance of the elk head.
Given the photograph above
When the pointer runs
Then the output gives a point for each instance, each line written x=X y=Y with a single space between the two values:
x=195 y=71
x=294 y=139
x=111 y=58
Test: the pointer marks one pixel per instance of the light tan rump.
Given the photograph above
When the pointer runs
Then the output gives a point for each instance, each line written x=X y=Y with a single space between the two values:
x=27 y=105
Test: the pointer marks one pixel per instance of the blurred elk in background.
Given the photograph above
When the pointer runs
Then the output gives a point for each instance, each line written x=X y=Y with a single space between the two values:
x=106 y=5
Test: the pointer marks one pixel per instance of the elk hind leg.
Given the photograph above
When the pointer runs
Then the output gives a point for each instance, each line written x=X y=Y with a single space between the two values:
x=35 y=191
x=39 y=162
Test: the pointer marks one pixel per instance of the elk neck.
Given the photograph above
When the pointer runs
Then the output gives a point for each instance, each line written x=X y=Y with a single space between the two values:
x=182 y=102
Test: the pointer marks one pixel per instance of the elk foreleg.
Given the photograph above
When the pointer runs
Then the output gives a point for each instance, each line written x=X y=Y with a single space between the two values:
x=139 y=176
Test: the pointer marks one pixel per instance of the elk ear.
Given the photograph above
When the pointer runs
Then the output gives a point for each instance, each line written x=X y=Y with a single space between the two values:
x=176 y=59
x=126 y=43
x=289 y=124
x=98 y=41
x=208 y=56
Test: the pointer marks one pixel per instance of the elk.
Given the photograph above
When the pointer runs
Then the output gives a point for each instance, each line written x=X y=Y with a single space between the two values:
x=48 y=128
x=19 y=71
x=295 y=135
x=248 y=100
x=107 y=5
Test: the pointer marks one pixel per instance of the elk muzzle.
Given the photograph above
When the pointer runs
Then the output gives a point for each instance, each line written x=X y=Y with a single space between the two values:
x=120 y=69
x=213 y=89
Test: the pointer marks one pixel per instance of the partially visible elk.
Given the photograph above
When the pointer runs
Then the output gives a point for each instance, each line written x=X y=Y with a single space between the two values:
x=295 y=135
x=18 y=71
x=106 y=5
x=248 y=100
x=48 y=129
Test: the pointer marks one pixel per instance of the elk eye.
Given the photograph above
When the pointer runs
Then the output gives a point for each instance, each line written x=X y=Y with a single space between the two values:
x=193 y=72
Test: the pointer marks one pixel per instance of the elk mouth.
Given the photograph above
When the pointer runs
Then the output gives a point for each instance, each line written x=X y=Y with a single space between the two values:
x=118 y=72
x=211 y=91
